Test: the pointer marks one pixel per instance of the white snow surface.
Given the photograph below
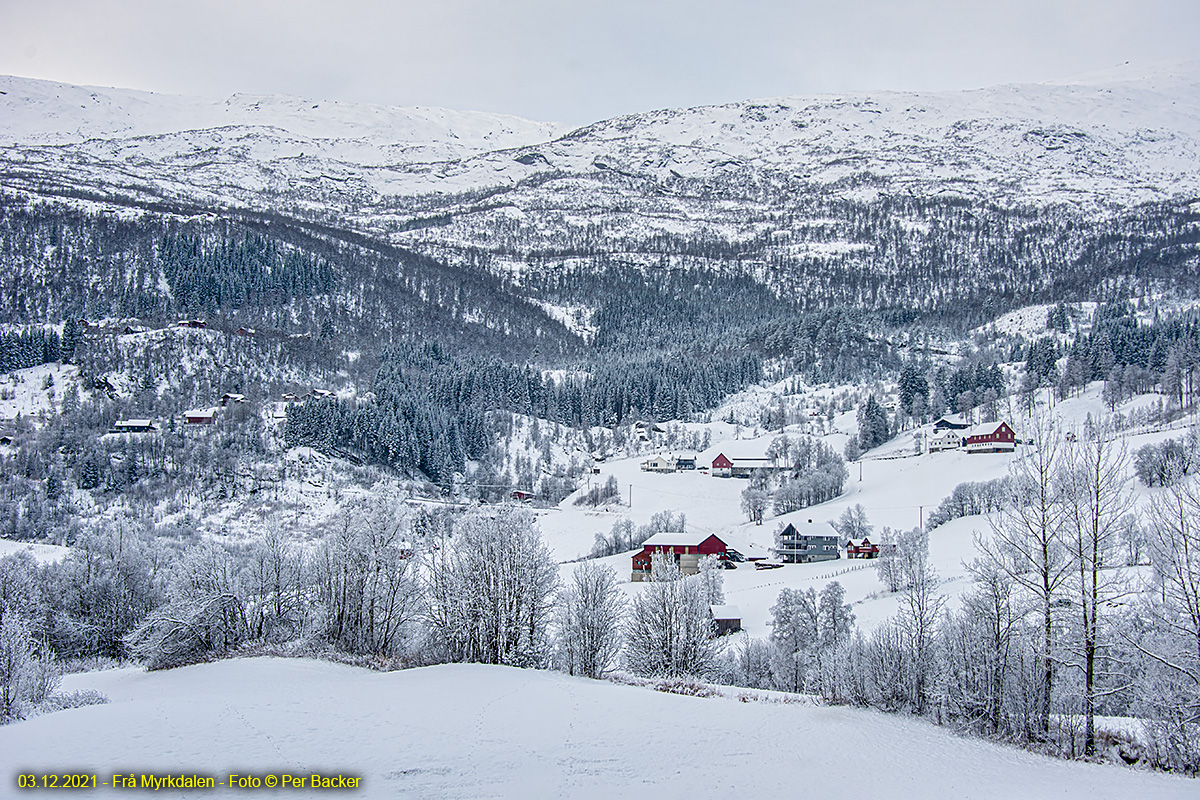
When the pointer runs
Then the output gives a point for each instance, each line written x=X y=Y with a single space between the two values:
x=42 y=553
x=37 y=111
x=459 y=731
x=1107 y=141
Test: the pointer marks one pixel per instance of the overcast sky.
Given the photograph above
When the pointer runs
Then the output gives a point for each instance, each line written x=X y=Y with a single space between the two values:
x=577 y=62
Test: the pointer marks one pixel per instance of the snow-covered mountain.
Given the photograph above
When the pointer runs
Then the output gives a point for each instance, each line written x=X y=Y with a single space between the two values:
x=1116 y=138
x=852 y=199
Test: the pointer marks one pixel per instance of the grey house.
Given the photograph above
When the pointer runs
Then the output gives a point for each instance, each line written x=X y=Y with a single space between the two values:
x=804 y=542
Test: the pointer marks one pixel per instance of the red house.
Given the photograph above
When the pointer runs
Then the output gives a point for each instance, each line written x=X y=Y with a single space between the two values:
x=991 y=437
x=521 y=495
x=686 y=548
x=722 y=466
x=200 y=416
x=861 y=548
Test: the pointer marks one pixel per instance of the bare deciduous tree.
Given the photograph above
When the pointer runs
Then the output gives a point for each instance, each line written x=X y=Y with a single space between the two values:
x=670 y=631
x=1096 y=498
x=1027 y=541
x=591 y=612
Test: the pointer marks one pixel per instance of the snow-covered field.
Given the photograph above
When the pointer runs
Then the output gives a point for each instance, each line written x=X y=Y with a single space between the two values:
x=35 y=390
x=43 y=553
x=459 y=731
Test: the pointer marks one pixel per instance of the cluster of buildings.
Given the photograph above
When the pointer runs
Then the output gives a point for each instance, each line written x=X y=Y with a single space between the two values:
x=669 y=463
x=953 y=433
x=797 y=543
x=196 y=416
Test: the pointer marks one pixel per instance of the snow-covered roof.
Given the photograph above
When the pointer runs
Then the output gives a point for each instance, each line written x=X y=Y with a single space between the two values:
x=986 y=429
x=810 y=528
x=726 y=612
x=132 y=423
x=677 y=539
x=734 y=540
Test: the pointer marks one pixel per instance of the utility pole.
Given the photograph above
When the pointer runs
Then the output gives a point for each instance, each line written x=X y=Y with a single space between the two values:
x=860 y=470
x=922 y=516
x=631 y=495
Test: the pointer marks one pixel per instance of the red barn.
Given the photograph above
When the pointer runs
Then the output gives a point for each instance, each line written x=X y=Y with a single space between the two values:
x=686 y=548
x=722 y=466
x=991 y=437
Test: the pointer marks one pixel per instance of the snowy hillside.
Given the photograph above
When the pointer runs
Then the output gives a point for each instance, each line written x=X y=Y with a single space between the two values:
x=897 y=490
x=1114 y=139
x=478 y=731
x=45 y=112
x=985 y=199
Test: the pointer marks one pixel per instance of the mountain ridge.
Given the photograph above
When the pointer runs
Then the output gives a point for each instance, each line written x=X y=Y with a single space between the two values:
x=1004 y=195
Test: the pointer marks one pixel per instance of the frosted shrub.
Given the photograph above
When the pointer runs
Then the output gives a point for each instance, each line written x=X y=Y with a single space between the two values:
x=490 y=596
x=16 y=657
x=670 y=632
x=590 y=614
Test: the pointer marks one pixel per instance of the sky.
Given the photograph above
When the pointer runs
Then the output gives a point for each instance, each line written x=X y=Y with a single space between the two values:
x=578 y=62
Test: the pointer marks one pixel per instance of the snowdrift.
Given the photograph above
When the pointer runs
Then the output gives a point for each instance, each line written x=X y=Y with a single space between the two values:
x=478 y=731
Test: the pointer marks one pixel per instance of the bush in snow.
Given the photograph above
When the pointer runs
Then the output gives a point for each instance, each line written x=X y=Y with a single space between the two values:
x=590 y=615
x=29 y=674
x=204 y=617
x=111 y=579
x=806 y=628
x=364 y=580
x=817 y=473
x=489 y=597
x=670 y=631
x=16 y=657
x=747 y=663
x=853 y=523
x=970 y=498
x=1164 y=463
x=600 y=494
x=712 y=577
x=873 y=426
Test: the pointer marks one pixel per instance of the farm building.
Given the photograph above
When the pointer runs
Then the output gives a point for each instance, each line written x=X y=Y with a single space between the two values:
x=725 y=467
x=807 y=541
x=726 y=619
x=669 y=463
x=133 y=426
x=991 y=437
x=722 y=466
x=200 y=416
x=230 y=397
x=950 y=422
x=945 y=439
x=521 y=495
x=861 y=548
x=685 y=548
x=659 y=464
